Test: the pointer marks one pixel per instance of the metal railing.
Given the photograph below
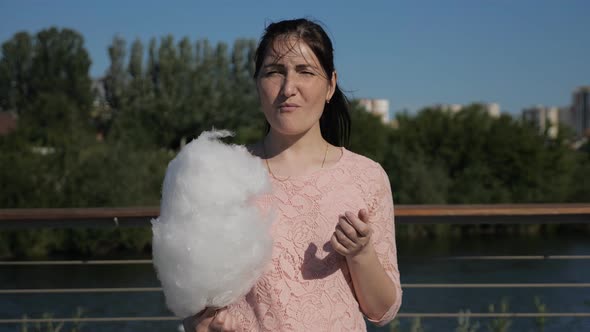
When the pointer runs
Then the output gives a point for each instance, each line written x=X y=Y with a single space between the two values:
x=404 y=214
x=408 y=214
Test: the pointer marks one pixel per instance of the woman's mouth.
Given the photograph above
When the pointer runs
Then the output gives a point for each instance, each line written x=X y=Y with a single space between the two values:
x=288 y=107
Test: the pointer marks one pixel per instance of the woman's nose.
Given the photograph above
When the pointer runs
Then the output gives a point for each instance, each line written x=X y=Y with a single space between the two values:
x=289 y=86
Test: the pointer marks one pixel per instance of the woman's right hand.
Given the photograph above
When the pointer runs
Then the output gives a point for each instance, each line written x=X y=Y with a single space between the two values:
x=210 y=320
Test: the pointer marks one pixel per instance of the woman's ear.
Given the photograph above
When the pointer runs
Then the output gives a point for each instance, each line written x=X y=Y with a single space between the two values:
x=331 y=86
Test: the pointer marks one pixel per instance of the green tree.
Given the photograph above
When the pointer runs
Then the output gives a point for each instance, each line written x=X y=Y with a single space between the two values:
x=481 y=159
x=15 y=71
x=369 y=135
x=53 y=118
x=60 y=65
x=115 y=79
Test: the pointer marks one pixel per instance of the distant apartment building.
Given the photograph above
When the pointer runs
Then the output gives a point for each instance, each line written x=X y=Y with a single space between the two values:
x=581 y=111
x=566 y=117
x=453 y=108
x=493 y=109
x=379 y=107
x=544 y=118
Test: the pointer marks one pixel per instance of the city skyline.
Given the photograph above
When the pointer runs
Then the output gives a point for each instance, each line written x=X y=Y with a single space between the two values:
x=414 y=55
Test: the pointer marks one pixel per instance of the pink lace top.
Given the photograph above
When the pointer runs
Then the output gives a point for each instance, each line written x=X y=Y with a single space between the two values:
x=308 y=286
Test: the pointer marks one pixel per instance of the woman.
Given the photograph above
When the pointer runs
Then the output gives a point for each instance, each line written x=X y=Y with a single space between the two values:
x=334 y=256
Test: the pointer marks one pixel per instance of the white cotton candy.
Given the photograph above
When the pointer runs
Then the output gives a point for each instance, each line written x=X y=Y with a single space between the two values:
x=210 y=243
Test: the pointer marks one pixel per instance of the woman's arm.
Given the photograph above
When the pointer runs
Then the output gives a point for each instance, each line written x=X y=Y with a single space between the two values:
x=367 y=240
x=374 y=289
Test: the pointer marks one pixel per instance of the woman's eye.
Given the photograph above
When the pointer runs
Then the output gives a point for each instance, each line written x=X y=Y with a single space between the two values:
x=308 y=73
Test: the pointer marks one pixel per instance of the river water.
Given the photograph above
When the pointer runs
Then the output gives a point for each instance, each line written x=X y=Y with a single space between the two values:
x=420 y=261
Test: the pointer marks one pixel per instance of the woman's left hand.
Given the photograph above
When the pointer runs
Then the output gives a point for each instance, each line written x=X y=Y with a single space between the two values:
x=352 y=235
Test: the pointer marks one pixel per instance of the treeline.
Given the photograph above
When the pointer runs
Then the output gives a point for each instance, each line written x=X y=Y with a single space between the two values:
x=81 y=142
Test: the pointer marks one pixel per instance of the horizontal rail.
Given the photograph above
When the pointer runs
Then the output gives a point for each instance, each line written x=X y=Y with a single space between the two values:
x=501 y=285
x=493 y=214
x=100 y=213
x=520 y=257
x=399 y=315
x=159 y=289
x=80 y=290
x=494 y=314
x=79 y=262
x=423 y=214
x=492 y=209
x=150 y=262
x=87 y=320
x=77 y=217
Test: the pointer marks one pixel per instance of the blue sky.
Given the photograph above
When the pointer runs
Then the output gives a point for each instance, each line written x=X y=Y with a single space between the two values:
x=414 y=53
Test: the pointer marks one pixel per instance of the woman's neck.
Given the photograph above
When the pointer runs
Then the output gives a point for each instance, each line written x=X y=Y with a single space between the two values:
x=284 y=146
x=287 y=156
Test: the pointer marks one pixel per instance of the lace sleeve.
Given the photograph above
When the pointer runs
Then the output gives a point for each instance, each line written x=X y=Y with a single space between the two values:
x=382 y=217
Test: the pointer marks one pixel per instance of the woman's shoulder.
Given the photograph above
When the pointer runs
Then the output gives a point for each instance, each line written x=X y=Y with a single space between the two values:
x=363 y=168
x=359 y=161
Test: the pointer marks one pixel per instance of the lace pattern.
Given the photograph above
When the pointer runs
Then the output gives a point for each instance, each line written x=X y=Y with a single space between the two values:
x=307 y=286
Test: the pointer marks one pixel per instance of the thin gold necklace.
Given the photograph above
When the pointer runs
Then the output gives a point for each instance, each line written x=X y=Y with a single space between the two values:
x=266 y=157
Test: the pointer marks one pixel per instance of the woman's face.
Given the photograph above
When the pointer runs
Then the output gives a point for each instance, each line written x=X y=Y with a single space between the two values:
x=293 y=87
